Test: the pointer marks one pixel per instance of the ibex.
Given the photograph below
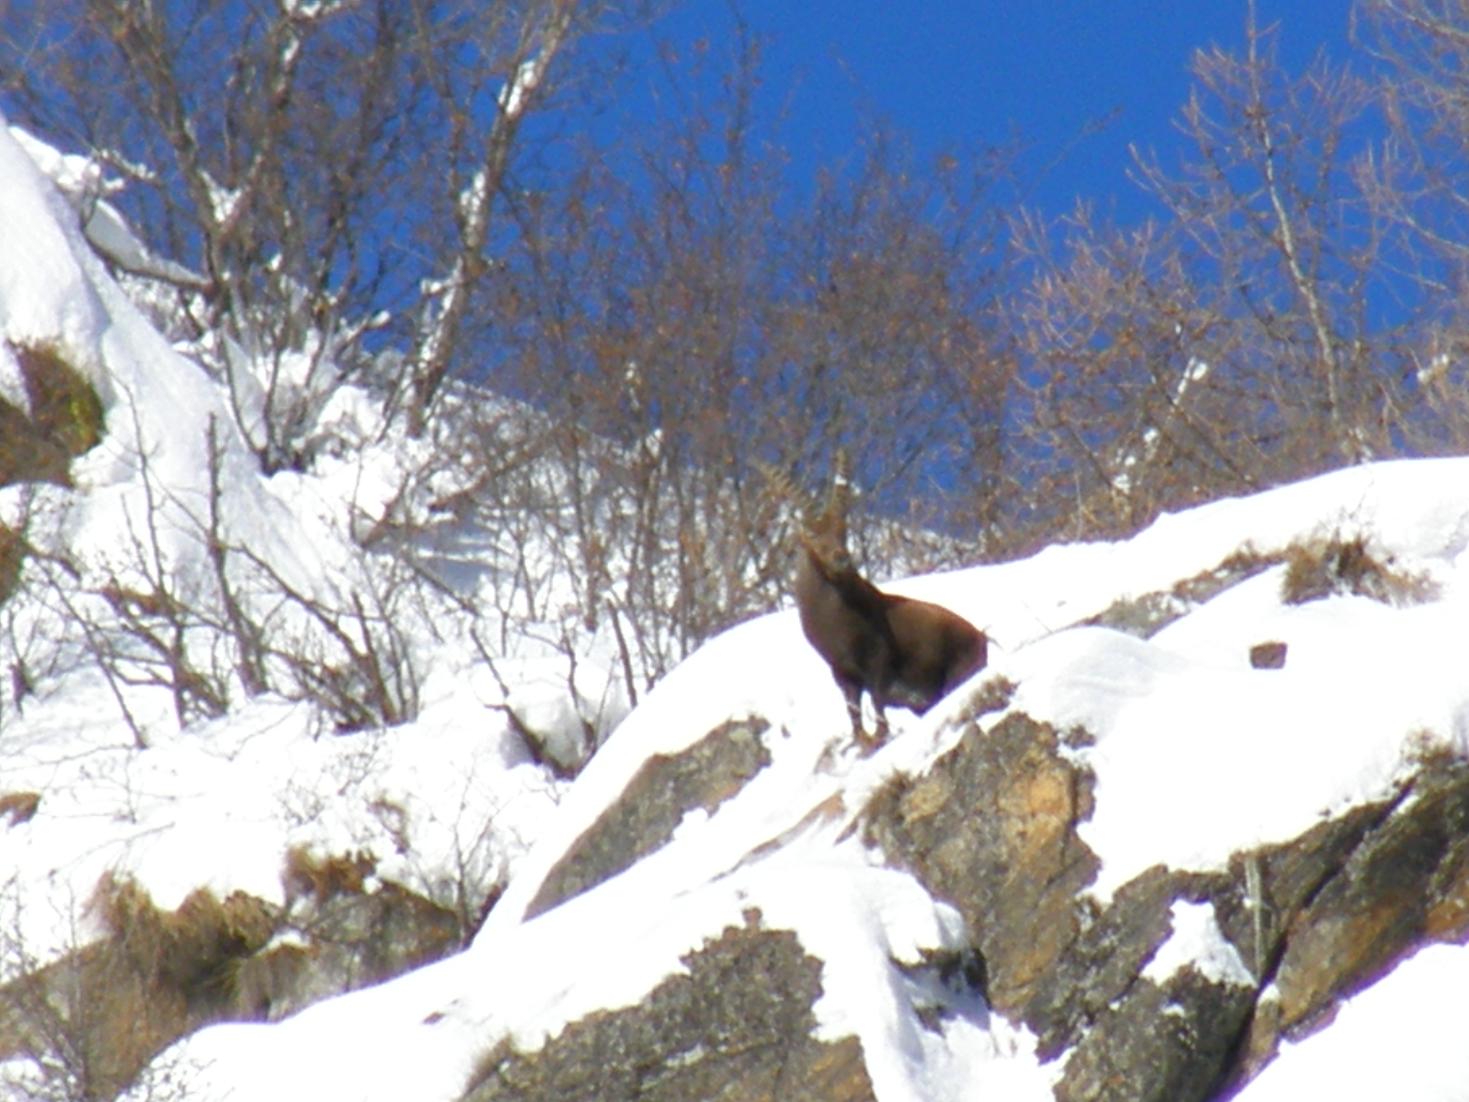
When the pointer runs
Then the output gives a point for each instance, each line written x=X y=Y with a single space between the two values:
x=902 y=651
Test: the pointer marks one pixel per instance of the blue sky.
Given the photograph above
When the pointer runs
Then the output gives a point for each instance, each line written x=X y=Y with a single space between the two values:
x=967 y=74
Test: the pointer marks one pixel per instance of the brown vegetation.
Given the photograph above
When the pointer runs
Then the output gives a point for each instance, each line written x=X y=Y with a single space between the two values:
x=1346 y=564
x=18 y=807
x=106 y=1009
x=61 y=420
x=321 y=878
x=96 y=1016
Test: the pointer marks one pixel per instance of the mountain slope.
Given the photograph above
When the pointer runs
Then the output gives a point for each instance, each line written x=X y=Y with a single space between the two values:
x=1147 y=774
x=1125 y=861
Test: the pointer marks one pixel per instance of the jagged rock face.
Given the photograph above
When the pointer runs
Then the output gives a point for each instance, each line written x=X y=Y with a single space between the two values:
x=356 y=939
x=992 y=828
x=666 y=788
x=1404 y=882
x=737 y=1027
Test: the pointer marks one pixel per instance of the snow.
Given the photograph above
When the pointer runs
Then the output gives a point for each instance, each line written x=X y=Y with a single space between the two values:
x=1197 y=942
x=81 y=182
x=1403 y=1037
x=219 y=804
x=527 y=76
x=1196 y=755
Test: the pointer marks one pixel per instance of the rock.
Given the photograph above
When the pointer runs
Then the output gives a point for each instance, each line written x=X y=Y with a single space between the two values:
x=655 y=801
x=100 y=1013
x=737 y=1027
x=1268 y=656
x=1405 y=883
x=1096 y=971
x=18 y=807
x=355 y=939
x=1169 y=1043
x=991 y=829
x=1149 y=613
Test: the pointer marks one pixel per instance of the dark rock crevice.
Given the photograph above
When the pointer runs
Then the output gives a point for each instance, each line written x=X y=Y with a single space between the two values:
x=1401 y=883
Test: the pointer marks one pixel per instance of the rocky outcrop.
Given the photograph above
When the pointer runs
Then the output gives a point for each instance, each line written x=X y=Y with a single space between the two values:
x=344 y=942
x=663 y=791
x=1404 y=882
x=1146 y=614
x=737 y=1027
x=103 y=1011
x=1115 y=991
x=991 y=827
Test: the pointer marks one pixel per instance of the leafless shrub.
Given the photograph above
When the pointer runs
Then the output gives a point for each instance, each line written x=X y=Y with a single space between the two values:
x=1120 y=392
x=1415 y=186
x=357 y=664
x=182 y=606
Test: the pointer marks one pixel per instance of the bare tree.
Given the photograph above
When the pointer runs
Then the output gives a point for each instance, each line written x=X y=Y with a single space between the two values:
x=1268 y=203
x=1119 y=340
x=676 y=325
x=1231 y=343
x=333 y=171
x=1415 y=185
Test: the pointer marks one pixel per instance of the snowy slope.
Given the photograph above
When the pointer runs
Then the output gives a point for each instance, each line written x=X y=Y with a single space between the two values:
x=1196 y=755
x=219 y=804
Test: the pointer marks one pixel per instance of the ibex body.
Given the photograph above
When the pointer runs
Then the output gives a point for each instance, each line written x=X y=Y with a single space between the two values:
x=901 y=651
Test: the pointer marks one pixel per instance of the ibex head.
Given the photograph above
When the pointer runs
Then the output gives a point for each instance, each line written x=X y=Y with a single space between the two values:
x=824 y=534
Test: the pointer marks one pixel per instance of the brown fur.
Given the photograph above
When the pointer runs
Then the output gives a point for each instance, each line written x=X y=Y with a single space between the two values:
x=902 y=652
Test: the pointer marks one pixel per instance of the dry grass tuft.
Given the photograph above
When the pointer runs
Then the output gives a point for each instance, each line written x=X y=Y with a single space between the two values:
x=95 y=1017
x=323 y=878
x=63 y=419
x=18 y=807
x=188 y=947
x=1339 y=564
